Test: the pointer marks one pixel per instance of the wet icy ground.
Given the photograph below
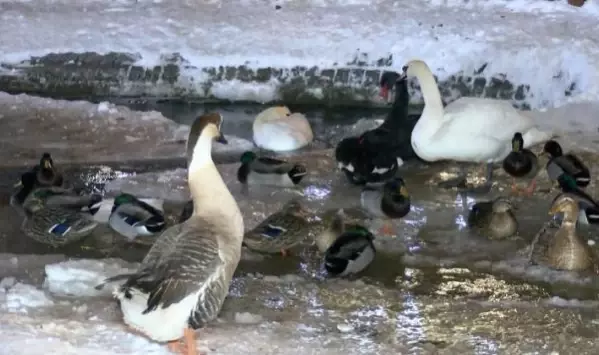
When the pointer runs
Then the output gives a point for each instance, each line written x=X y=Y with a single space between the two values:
x=434 y=288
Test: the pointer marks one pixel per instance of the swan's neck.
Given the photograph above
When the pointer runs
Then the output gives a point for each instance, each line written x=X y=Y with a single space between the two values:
x=433 y=105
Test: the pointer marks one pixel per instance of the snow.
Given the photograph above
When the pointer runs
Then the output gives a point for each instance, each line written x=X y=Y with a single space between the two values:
x=80 y=131
x=546 y=44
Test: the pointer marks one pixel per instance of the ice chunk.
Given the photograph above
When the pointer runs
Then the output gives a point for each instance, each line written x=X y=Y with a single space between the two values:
x=79 y=277
x=247 y=318
x=22 y=296
x=7 y=283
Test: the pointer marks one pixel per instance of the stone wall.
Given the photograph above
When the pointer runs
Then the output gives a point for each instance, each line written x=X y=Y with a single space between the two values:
x=90 y=75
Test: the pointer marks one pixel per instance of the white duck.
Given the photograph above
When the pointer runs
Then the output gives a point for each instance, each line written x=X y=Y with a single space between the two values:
x=279 y=130
x=470 y=129
x=182 y=282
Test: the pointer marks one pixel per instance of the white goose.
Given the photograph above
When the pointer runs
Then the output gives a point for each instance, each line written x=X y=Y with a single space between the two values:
x=182 y=282
x=469 y=129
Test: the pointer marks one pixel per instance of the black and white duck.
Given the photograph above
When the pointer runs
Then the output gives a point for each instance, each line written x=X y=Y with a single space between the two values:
x=374 y=156
x=522 y=164
x=184 y=279
x=560 y=163
x=259 y=170
x=493 y=219
x=132 y=217
x=392 y=201
x=348 y=248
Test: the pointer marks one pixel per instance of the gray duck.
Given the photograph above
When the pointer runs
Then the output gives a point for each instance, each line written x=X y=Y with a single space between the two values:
x=392 y=201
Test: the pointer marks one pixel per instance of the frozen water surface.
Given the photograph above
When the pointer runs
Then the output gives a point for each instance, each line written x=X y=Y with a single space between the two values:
x=433 y=287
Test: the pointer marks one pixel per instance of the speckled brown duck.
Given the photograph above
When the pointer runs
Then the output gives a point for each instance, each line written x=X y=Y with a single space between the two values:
x=494 y=219
x=280 y=231
x=565 y=249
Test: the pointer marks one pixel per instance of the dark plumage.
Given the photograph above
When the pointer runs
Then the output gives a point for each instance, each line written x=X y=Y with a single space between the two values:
x=392 y=201
x=521 y=163
x=560 y=164
x=186 y=212
x=351 y=253
x=46 y=172
x=132 y=217
x=375 y=156
x=269 y=171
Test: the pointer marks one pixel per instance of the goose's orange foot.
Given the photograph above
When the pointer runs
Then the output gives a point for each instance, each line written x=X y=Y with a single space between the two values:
x=176 y=347
x=387 y=230
x=189 y=342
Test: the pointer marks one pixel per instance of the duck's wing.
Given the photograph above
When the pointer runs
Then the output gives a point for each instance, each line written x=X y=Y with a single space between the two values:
x=348 y=247
x=265 y=165
x=370 y=200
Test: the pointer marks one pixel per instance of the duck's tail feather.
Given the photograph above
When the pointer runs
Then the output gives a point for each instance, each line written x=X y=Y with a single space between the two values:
x=113 y=279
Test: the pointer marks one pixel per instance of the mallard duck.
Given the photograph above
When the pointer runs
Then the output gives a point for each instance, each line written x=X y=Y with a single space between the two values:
x=279 y=130
x=560 y=163
x=588 y=206
x=186 y=212
x=46 y=172
x=468 y=130
x=521 y=163
x=566 y=250
x=392 y=201
x=51 y=196
x=182 y=282
x=132 y=217
x=375 y=156
x=493 y=219
x=269 y=171
x=280 y=231
x=348 y=248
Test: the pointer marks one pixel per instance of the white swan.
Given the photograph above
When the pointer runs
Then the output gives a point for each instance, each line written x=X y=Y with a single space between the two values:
x=469 y=129
x=277 y=129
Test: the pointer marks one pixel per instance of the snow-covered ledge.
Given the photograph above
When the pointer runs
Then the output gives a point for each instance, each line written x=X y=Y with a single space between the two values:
x=314 y=51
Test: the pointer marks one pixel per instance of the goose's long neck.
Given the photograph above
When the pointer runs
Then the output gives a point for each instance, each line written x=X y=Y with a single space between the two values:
x=430 y=93
x=209 y=192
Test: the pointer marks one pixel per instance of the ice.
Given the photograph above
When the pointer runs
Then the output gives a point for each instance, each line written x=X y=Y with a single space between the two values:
x=247 y=318
x=105 y=209
x=545 y=44
x=20 y=297
x=79 y=277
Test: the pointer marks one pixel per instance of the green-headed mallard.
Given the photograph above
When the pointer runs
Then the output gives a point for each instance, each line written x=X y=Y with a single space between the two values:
x=566 y=250
x=569 y=164
x=269 y=171
x=131 y=217
x=521 y=163
x=46 y=172
x=280 y=231
x=493 y=219
x=392 y=201
x=182 y=282
x=348 y=248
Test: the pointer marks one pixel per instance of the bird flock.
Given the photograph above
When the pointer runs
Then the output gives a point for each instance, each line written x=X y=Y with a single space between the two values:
x=181 y=284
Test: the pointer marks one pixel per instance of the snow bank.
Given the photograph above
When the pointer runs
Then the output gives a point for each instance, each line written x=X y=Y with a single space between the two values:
x=548 y=45
x=80 y=131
